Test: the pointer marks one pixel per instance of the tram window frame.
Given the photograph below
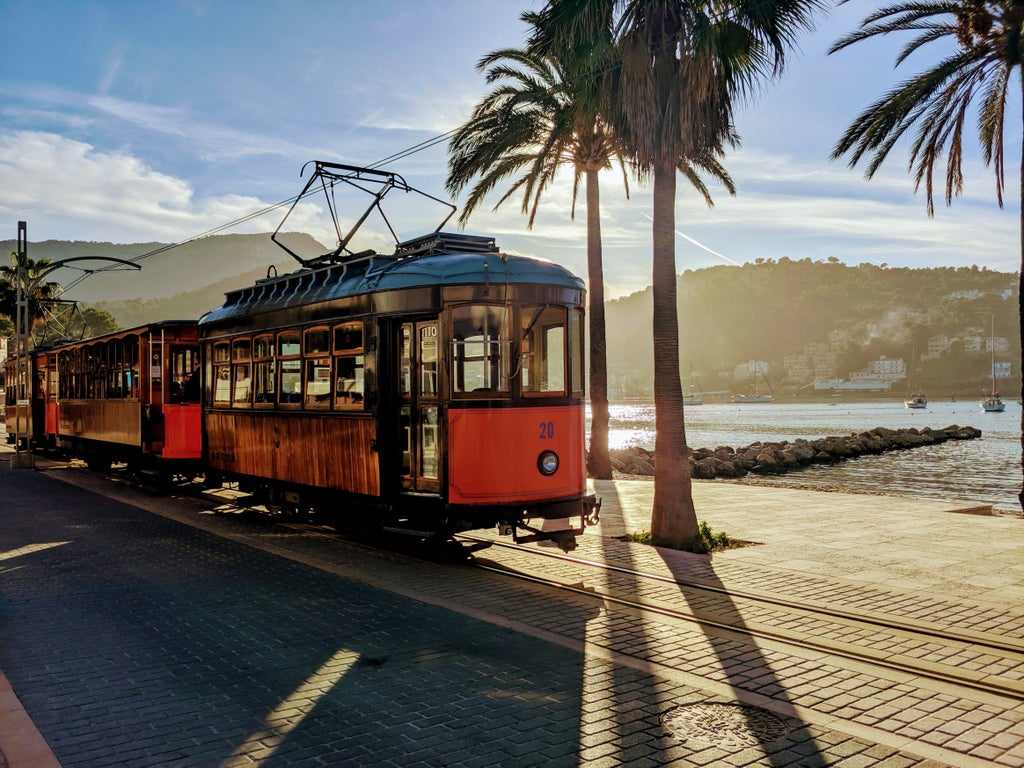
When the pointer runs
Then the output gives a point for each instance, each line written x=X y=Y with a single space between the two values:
x=349 y=366
x=317 y=367
x=241 y=372
x=264 y=370
x=542 y=351
x=577 y=353
x=289 y=369
x=494 y=356
x=220 y=357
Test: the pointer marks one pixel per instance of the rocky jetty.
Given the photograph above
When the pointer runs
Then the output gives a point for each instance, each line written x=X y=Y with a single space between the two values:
x=786 y=456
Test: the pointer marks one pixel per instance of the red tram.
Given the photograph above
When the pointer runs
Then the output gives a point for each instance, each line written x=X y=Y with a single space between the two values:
x=436 y=389
x=439 y=388
x=123 y=397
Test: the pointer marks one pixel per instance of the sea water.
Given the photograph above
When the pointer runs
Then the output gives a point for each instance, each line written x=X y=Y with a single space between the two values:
x=984 y=471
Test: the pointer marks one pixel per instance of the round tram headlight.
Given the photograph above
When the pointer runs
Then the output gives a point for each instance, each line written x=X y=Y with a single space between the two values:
x=547 y=463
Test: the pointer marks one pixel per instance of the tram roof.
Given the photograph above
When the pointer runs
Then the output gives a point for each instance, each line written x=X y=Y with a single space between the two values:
x=440 y=259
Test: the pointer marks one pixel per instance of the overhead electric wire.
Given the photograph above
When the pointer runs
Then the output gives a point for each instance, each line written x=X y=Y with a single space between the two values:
x=423 y=145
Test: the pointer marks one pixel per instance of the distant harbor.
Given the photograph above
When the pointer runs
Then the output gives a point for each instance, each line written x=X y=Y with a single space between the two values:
x=986 y=470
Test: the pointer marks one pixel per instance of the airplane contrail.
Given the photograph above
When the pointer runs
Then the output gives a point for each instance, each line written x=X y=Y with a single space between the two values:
x=701 y=245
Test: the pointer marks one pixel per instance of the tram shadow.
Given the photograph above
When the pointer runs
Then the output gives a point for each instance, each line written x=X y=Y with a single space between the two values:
x=744 y=711
x=134 y=639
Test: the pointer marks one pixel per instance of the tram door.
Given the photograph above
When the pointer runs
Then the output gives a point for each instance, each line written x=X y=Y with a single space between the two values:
x=419 y=406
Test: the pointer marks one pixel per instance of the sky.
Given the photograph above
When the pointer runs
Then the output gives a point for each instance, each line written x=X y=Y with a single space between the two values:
x=134 y=121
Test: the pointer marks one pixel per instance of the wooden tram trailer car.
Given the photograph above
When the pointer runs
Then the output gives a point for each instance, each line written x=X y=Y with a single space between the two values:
x=439 y=388
x=121 y=397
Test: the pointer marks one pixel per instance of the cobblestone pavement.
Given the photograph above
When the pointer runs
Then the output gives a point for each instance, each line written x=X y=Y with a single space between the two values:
x=132 y=639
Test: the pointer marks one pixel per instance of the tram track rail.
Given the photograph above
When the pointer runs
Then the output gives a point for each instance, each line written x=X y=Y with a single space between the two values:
x=890 y=622
x=1008 y=649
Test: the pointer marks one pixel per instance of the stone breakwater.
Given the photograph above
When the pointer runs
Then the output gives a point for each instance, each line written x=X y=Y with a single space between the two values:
x=778 y=458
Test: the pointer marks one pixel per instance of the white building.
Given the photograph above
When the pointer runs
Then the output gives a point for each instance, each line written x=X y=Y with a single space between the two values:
x=888 y=366
x=998 y=344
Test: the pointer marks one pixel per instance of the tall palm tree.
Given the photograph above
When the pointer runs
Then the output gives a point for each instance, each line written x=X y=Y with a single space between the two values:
x=682 y=67
x=986 y=39
x=536 y=121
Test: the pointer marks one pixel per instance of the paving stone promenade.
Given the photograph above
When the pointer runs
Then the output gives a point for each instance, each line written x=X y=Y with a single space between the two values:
x=145 y=631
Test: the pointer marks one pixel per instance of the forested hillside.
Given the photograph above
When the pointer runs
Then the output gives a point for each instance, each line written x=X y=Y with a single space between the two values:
x=771 y=309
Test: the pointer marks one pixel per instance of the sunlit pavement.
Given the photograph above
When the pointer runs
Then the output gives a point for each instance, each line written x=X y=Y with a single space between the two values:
x=131 y=639
x=951 y=548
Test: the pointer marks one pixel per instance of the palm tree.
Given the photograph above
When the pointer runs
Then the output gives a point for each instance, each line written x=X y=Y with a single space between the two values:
x=680 y=67
x=986 y=47
x=536 y=121
x=31 y=271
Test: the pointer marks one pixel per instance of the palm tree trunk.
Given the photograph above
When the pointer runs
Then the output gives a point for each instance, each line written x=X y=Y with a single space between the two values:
x=598 y=462
x=673 y=518
x=1020 y=309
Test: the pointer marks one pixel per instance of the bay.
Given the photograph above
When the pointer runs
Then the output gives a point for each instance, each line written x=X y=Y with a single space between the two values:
x=984 y=471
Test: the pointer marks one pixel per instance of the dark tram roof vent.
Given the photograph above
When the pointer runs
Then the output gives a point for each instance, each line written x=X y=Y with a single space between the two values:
x=445 y=242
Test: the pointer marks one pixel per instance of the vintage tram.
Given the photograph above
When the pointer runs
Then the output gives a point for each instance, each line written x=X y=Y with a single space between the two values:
x=131 y=397
x=437 y=389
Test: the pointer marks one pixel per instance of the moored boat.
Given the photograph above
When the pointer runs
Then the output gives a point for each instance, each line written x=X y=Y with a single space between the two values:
x=753 y=398
x=916 y=400
x=755 y=370
x=694 y=395
x=993 y=403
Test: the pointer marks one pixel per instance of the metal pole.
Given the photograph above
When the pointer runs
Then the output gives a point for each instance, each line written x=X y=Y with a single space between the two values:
x=23 y=382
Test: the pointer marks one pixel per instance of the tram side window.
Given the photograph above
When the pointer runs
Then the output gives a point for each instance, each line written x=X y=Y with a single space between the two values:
x=542 y=349
x=289 y=349
x=66 y=373
x=480 y=349
x=185 y=375
x=576 y=353
x=221 y=373
x=348 y=366
x=263 y=370
x=317 y=355
x=241 y=373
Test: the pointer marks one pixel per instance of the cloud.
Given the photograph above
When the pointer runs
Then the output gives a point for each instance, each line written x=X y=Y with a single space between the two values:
x=68 y=190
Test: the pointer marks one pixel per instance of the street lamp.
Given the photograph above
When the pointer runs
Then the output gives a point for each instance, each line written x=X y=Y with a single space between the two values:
x=23 y=383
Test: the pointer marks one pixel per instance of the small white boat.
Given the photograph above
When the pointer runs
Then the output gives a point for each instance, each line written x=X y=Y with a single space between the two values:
x=694 y=395
x=755 y=370
x=753 y=398
x=916 y=400
x=993 y=403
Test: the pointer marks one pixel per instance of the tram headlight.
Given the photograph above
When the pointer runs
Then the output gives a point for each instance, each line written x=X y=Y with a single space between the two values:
x=547 y=463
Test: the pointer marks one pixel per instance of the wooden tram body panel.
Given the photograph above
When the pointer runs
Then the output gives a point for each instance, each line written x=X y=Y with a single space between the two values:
x=296 y=448
x=107 y=421
x=440 y=416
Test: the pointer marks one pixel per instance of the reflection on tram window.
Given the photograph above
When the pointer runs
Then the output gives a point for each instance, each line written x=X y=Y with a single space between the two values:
x=542 y=349
x=481 y=348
